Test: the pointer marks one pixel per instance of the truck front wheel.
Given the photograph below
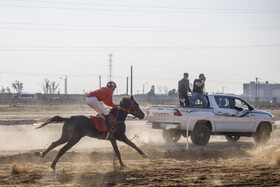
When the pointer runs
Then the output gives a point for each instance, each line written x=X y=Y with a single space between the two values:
x=200 y=134
x=263 y=133
x=171 y=136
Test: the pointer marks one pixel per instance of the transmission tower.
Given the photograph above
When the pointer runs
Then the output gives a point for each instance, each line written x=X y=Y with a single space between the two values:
x=110 y=66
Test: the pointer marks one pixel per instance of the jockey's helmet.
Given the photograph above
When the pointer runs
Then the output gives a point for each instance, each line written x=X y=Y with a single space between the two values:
x=111 y=85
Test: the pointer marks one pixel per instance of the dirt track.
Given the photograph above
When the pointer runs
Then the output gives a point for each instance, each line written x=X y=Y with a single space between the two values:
x=207 y=167
x=90 y=163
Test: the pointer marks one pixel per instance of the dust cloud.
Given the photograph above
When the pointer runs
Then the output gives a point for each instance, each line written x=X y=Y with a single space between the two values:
x=269 y=153
x=92 y=162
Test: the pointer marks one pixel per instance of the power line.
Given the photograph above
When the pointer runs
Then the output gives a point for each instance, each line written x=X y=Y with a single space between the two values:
x=145 y=6
x=147 y=11
x=89 y=48
x=134 y=27
x=145 y=30
x=57 y=75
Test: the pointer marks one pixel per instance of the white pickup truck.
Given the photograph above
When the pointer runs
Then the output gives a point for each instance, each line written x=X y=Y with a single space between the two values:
x=226 y=115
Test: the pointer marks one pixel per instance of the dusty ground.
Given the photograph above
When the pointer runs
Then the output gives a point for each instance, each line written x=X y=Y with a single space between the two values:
x=92 y=163
x=209 y=167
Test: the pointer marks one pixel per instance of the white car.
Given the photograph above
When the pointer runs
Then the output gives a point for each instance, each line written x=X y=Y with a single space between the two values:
x=226 y=115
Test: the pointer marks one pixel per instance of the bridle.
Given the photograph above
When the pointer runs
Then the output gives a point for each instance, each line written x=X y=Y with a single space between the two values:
x=131 y=109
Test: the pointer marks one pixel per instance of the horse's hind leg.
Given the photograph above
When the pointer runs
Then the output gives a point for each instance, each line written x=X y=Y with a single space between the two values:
x=65 y=148
x=115 y=146
x=63 y=139
x=131 y=144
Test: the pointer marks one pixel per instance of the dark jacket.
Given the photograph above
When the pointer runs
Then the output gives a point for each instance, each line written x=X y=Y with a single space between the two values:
x=183 y=87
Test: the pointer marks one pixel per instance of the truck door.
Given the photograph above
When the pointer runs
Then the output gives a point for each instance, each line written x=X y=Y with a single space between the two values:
x=244 y=119
x=224 y=120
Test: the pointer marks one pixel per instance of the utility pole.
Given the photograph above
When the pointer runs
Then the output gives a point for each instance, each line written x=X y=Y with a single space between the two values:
x=257 y=89
x=65 y=84
x=131 y=81
x=223 y=89
x=65 y=89
x=110 y=66
x=126 y=85
x=99 y=81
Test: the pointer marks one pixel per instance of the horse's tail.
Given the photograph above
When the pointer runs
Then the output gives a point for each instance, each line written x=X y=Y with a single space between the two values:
x=55 y=119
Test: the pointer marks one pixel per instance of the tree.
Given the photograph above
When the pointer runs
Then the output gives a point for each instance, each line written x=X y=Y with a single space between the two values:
x=49 y=87
x=5 y=90
x=8 y=90
x=18 y=86
x=172 y=92
x=46 y=86
x=163 y=89
x=159 y=87
x=54 y=86
x=152 y=91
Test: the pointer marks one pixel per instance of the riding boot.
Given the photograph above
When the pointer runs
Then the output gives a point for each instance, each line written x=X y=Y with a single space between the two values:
x=109 y=125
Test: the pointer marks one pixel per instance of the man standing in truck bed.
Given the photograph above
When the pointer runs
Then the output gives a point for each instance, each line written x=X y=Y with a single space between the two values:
x=198 y=86
x=184 y=88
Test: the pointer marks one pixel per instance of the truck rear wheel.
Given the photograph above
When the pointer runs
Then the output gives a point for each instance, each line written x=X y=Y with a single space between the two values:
x=263 y=133
x=171 y=136
x=200 y=134
x=234 y=138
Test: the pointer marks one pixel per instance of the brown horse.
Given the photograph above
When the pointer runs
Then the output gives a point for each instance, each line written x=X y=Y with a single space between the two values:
x=76 y=127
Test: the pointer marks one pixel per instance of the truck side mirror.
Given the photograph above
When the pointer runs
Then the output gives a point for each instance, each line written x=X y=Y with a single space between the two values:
x=251 y=107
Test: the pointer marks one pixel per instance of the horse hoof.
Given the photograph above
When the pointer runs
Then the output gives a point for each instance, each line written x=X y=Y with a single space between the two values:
x=53 y=167
x=39 y=154
x=145 y=156
x=123 y=166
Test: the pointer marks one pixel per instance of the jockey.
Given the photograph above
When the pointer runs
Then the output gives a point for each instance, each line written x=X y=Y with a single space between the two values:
x=104 y=95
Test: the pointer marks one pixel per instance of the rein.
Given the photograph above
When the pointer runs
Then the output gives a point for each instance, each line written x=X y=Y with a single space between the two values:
x=130 y=108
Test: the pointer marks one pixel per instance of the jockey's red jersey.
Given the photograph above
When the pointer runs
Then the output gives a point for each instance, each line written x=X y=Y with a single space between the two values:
x=104 y=94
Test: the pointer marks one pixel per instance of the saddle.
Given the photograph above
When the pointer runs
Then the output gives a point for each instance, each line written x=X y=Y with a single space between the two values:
x=100 y=123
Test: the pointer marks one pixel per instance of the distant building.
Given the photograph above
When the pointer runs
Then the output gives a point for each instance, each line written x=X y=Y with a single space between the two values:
x=261 y=92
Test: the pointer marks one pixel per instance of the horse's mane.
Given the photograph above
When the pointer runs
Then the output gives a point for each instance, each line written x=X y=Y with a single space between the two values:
x=124 y=99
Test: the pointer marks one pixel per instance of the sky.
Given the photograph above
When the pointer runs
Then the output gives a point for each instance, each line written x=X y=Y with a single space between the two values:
x=231 y=41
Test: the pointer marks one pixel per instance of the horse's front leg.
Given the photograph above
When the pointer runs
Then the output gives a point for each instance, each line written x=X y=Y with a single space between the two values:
x=116 y=149
x=131 y=144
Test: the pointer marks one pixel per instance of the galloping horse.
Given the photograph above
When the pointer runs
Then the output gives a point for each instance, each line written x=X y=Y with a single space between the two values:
x=76 y=127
